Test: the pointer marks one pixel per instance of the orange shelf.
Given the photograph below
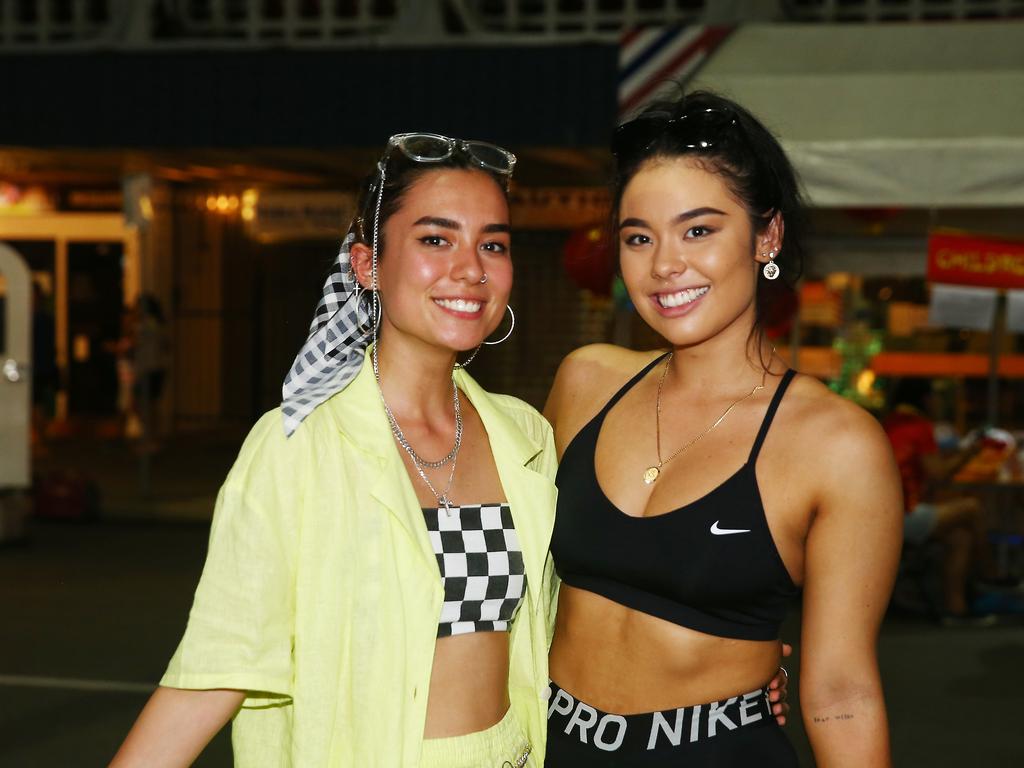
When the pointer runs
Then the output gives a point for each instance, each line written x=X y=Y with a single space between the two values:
x=944 y=364
x=824 y=362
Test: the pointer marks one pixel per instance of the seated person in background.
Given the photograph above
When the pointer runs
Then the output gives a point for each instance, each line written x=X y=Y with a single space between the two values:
x=956 y=520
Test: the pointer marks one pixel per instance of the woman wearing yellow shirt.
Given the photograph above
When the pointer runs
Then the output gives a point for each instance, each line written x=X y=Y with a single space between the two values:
x=316 y=622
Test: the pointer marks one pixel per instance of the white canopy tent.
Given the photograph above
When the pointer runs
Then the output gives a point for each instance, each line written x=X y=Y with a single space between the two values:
x=915 y=115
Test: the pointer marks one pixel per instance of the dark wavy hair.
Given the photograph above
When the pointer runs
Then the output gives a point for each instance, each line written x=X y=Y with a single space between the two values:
x=749 y=159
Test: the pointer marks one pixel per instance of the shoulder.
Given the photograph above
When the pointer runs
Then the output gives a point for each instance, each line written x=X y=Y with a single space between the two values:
x=604 y=359
x=835 y=436
x=586 y=379
x=267 y=450
x=267 y=435
x=595 y=371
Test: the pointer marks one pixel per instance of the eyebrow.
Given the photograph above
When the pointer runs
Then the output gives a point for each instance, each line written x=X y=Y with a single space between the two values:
x=438 y=221
x=684 y=216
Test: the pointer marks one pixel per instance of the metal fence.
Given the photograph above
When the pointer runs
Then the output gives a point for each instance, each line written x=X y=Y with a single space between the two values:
x=900 y=10
x=91 y=24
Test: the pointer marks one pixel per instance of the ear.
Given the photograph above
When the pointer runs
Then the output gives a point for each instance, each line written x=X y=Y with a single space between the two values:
x=769 y=239
x=361 y=256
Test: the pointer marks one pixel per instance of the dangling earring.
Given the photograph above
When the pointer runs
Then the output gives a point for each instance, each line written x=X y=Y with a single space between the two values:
x=469 y=359
x=771 y=269
x=512 y=316
x=371 y=321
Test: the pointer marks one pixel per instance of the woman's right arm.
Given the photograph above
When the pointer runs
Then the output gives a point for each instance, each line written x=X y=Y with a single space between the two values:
x=174 y=727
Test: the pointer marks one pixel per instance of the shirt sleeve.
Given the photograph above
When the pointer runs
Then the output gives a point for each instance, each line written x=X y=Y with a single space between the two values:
x=241 y=627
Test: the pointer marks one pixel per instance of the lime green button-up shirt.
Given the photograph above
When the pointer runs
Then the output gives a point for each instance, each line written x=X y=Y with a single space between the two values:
x=321 y=595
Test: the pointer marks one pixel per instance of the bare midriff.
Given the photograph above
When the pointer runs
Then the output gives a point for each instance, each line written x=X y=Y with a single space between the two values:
x=468 y=684
x=626 y=662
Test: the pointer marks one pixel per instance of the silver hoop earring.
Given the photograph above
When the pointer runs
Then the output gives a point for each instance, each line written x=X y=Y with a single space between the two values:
x=771 y=269
x=512 y=316
x=483 y=279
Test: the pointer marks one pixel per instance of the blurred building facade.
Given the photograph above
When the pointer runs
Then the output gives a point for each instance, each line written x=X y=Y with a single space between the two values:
x=206 y=152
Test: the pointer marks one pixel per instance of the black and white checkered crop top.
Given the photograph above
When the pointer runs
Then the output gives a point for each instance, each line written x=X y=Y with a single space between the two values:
x=481 y=564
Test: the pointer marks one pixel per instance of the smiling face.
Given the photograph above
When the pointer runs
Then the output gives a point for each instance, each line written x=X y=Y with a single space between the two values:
x=451 y=228
x=686 y=249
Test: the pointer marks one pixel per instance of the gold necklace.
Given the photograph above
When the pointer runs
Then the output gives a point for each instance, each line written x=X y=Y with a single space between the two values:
x=652 y=473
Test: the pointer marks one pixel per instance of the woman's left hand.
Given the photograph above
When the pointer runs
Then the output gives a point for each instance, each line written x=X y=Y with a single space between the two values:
x=778 y=689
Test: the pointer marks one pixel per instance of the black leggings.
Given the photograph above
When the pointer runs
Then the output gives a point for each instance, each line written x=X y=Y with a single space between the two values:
x=732 y=733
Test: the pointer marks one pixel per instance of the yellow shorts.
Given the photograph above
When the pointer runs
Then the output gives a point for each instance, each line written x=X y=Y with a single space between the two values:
x=501 y=746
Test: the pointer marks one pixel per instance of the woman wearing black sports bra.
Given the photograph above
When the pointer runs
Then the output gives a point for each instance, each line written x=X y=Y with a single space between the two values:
x=701 y=488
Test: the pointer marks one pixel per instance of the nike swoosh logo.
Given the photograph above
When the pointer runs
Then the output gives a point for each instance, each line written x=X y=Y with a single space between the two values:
x=726 y=531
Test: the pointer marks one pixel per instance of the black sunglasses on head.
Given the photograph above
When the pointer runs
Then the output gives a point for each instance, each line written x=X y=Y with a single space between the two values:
x=700 y=130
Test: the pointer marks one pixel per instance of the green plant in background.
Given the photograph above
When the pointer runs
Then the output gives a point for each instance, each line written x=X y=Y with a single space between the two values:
x=857 y=343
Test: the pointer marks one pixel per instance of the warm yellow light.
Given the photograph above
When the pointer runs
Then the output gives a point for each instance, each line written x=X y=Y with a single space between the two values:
x=250 y=198
x=233 y=203
x=211 y=203
x=865 y=382
x=222 y=203
x=146 y=207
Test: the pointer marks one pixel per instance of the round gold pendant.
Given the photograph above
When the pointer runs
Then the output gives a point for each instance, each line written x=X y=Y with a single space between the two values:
x=651 y=474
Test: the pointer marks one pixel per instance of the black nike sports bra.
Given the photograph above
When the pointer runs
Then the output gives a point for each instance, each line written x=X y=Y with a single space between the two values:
x=711 y=565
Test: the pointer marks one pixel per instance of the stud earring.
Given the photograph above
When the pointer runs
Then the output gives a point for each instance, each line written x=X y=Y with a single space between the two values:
x=771 y=269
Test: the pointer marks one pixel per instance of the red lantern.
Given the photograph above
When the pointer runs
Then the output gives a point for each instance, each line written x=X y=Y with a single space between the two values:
x=589 y=259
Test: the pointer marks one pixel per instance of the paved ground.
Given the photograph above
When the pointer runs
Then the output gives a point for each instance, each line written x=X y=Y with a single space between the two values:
x=91 y=613
x=100 y=602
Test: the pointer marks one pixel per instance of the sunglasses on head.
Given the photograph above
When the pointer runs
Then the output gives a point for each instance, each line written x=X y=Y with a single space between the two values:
x=435 y=148
x=701 y=130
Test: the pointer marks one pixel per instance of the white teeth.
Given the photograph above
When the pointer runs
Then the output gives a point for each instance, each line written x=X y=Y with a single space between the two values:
x=459 y=305
x=668 y=300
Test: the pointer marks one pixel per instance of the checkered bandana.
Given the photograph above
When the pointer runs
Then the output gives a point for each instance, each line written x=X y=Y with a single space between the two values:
x=481 y=564
x=334 y=350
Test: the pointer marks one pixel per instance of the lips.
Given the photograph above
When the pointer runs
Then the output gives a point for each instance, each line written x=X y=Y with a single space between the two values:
x=680 y=298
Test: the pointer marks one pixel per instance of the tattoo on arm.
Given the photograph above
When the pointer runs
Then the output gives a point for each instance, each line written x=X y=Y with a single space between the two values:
x=844 y=716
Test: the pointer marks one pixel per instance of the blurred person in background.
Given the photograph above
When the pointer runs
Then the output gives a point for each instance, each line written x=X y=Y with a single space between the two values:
x=932 y=510
x=45 y=374
x=149 y=352
x=701 y=488
x=142 y=354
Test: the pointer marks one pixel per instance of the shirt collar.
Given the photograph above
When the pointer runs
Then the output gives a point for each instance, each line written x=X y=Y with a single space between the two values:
x=359 y=414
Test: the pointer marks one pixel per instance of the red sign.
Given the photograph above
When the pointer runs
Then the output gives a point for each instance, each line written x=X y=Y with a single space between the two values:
x=971 y=260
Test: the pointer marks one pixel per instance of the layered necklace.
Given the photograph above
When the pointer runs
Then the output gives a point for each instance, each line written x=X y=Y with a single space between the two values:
x=652 y=473
x=444 y=498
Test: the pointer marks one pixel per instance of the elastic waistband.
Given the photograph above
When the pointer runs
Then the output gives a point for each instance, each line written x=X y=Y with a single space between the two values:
x=651 y=731
x=503 y=744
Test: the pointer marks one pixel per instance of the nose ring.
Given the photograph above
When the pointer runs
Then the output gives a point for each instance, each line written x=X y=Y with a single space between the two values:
x=483 y=279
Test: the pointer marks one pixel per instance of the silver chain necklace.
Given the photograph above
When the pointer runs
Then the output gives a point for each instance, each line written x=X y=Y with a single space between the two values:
x=443 y=499
x=400 y=437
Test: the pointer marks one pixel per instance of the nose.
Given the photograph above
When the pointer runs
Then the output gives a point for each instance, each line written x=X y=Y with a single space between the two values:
x=668 y=261
x=467 y=266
